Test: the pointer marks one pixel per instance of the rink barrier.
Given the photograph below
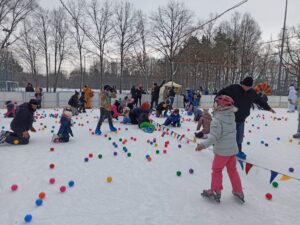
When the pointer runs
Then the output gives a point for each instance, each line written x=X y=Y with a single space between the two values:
x=248 y=165
x=60 y=99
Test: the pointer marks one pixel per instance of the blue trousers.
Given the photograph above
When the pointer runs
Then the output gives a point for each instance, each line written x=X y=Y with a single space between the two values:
x=240 y=128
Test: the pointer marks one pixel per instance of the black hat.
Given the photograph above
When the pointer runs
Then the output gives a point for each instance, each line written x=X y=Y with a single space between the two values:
x=33 y=102
x=8 y=102
x=107 y=87
x=248 y=81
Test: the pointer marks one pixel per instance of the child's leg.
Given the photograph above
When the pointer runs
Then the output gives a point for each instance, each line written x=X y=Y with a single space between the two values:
x=102 y=117
x=109 y=117
x=216 y=177
x=234 y=175
x=167 y=122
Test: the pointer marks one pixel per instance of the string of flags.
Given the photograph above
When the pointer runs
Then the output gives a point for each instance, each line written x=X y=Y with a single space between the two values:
x=248 y=166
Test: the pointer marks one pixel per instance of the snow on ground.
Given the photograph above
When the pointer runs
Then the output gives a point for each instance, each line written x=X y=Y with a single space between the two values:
x=142 y=192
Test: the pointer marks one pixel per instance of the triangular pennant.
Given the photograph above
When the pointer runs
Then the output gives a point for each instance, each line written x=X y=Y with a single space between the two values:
x=248 y=167
x=273 y=176
x=242 y=164
x=284 y=177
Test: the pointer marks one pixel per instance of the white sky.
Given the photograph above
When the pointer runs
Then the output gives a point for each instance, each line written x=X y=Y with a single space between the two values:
x=268 y=13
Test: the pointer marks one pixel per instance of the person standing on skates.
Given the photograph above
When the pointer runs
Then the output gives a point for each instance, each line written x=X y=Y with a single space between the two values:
x=222 y=136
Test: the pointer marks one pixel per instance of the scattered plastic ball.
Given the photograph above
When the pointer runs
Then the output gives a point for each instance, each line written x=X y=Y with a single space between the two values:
x=42 y=195
x=149 y=159
x=115 y=153
x=51 y=180
x=14 y=187
x=86 y=159
x=278 y=138
x=52 y=165
x=262 y=142
x=71 y=183
x=16 y=142
x=191 y=171
x=129 y=154
x=155 y=145
x=100 y=156
x=179 y=146
x=291 y=169
x=268 y=196
x=178 y=173
x=275 y=184
x=157 y=152
x=62 y=189
x=91 y=155
x=38 y=202
x=266 y=144
x=52 y=149
x=165 y=151
x=109 y=179
x=28 y=218
x=248 y=143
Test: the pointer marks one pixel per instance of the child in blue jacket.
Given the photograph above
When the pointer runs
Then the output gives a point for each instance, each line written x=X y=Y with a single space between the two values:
x=65 y=130
x=173 y=119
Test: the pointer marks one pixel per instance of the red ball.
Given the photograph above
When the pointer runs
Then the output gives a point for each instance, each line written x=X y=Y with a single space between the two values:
x=268 y=196
x=165 y=151
x=52 y=166
x=134 y=139
x=51 y=180
x=91 y=155
x=52 y=149
x=149 y=159
x=14 y=187
x=62 y=189
x=105 y=135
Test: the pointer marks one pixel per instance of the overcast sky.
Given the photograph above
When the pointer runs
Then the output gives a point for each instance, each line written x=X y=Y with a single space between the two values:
x=268 y=13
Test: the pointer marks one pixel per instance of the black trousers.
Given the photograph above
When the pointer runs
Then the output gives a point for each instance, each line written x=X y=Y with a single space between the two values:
x=155 y=100
x=16 y=139
x=103 y=115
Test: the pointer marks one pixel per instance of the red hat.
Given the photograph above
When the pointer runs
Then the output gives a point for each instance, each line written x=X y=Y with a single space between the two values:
x=224 y=100
x=145 y=106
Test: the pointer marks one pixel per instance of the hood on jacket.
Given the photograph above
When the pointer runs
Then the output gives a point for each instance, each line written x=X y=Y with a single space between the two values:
x=225 y=114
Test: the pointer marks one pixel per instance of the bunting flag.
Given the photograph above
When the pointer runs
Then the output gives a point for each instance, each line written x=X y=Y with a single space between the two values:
x=273 y=176
x=285 y=177
x=242 y=164
x=248 y=167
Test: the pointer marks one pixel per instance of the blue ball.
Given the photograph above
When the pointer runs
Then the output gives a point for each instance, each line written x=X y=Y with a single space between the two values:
x=191 y=171
x=262 y=142
x=252 y=125
x=266 y=144
x=278 y=138
x=28 y=218
x=115 y=153
x=147 y=156
x=151 y=143
x=125 y=150
x=291 y=169
x=116 y=146
x=179 y=146
x=71 y=183
x=39 y=202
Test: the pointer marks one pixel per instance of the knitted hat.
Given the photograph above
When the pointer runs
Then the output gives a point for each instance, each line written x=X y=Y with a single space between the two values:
x=248 y=81
x=107 y=87
x=33 y=102
x=145 y=106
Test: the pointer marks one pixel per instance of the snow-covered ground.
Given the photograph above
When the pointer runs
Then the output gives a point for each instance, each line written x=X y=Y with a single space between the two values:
x=143 y=192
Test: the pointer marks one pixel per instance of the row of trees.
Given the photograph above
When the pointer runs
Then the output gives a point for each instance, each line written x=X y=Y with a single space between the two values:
x=116 y=40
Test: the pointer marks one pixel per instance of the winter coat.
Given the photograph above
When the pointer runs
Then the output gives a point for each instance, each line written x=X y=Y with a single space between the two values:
x=172 y=93
x=136 y=114
x=65 y=128
x=105 y=99
x=133 y=93
x=204 y=122
x=155 y=91
x=29 y=89
x=243 y=100
x=140 y=92
x=74 y=102
x=23 y=119
x=114 y=111
x=223 y=133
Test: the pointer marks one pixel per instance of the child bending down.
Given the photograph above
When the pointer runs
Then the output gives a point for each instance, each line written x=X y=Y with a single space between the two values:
x=223 y=136
x=65 y=130
x=204 y=123
x=173 y=119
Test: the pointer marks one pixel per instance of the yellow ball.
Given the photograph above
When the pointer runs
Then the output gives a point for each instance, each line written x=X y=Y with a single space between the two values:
x=16 y=142
x=109 y=179
x=155 y=144
x=290 y=140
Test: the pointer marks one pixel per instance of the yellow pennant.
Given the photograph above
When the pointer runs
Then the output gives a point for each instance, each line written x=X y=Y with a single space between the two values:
x=284 y=178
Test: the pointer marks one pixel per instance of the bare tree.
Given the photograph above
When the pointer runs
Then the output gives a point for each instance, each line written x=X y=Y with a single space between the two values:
x=59 y=33
x=126 y=32
x=78 y=20
x=12 y=12
x=28 y=50
x=42 y=28
x=170 y=26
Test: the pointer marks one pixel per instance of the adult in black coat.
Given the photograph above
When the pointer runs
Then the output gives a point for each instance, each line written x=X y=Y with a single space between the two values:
x=29 y=88
x=172 y=95
x=139 y=92
x=137 y=113
x=133 y=94
x=155 y=93
x=21 y=124
x=74 y=100
x=244 y=96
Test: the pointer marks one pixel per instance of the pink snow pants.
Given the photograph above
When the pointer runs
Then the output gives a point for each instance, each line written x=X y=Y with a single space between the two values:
x=216 y=177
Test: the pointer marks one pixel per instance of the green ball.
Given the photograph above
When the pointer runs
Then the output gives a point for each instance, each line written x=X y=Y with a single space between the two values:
x=124 y=147
x=275 y=184
x=45 y=126
x=157 y=151
x=100 y=156
x=109 y=138
x=52 y=131
x=129 y=154
x=248 y=143
x=178 y=173
x=120 y=139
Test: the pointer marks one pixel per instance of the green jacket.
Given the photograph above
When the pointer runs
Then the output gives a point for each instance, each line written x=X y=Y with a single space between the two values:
x=223 y=133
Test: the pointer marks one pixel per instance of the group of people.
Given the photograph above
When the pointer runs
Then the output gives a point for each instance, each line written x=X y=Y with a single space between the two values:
x=38 y=93
x=79 y=104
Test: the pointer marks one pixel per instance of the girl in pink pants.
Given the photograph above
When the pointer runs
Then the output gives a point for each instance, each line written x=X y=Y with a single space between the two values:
x=223 y=138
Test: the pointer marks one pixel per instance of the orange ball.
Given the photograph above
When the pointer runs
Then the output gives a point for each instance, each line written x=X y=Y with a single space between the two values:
x=16 y=142
x=42 y=195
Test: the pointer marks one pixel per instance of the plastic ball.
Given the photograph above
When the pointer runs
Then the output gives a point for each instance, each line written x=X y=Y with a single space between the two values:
x=51 y=180
x=191 y=171
x=91 y=155
x=275 y=184
x=14 y=187
x=147 y=156
x=248 y=143
x=16 y=142
x=52 y=165
x=71 y=183
x=86 y=159
x=109 y=179
x=109 y=138
x=151 y=143
x=155 y=145
x=115 y=153
x=178 y=173
x=278 y=138
x=266 y=144
x=100 y=156
x=62 y=189
x=42 y=195
x=149 y=159
x=179 y=146
x=120 y=139
x=157 y=151
x=129 y=154
x=268 y=196
x=28 y=218
x=291 y=169
x=38 y=202
x=165 y=151
x=262 y=142
x=51 y=149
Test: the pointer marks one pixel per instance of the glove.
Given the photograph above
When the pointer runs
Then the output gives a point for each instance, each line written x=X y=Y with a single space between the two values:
x=200 y=147
x=33 y=129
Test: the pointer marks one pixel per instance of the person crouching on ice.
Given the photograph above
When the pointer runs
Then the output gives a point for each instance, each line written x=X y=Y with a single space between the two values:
x=223 y=138
x=173 y=119
x=65 y=130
